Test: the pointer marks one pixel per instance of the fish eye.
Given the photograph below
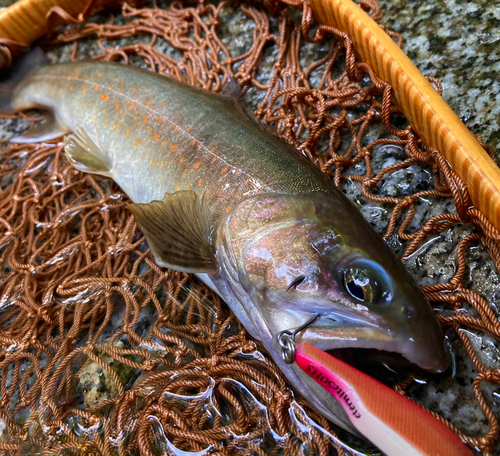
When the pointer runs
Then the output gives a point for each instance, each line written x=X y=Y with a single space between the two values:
x=359 y=285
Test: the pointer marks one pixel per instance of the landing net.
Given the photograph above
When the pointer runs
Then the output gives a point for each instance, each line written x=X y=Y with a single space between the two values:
x=104 y=352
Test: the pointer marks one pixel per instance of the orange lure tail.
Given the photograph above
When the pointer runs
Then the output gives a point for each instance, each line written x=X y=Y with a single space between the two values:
x=392 y=422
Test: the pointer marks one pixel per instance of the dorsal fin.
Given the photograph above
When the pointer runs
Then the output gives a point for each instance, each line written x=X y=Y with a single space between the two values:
x=178 y=231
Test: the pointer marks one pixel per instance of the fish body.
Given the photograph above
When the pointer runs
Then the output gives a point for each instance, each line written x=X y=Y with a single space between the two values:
x=219 y=195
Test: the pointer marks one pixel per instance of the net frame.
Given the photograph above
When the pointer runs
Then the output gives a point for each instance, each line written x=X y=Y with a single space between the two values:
x=34 y=211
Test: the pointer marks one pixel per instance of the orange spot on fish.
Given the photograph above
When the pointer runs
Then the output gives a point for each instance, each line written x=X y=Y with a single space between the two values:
x=176 y=129
x=99 y=75
x=122 y=82
x=161 y=164
x=187 y=186
x=84 y=94
x=117 y=126
x=163 y=103
x=164 y=142
x=157 y=137
x=71 y=88
x=150 y=130
x=200 y=145
x=225 y=170
x=136 y=116
x=188 y=129
x=85 y=77
x=137 y=142
x=176 y=187
x=228 y=208
x=111 y=78
x=181 y=159
x=185 y=171
x=83 y=87
x=132 y=106
x=153 y=163
x=219 y=192
x=145 y=120
x=214 y=159
x=105 y=123
x=84 y=104
x=117 y=105
x=193 y=142
x=104 y=97
x=147 y=102
x=197 y=165
x=134 y=89
x=105 y=111
x=96 y=87
x=161 y=119
x=200 y=181
x=127 y=133
x=172 y=147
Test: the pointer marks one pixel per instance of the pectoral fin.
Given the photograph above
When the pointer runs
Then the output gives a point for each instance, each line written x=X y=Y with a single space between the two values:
x=85 y=155
x=178 y=232
x=49 y=129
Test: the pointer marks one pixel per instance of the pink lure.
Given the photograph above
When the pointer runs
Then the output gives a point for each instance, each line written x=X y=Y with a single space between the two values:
x=392 y=422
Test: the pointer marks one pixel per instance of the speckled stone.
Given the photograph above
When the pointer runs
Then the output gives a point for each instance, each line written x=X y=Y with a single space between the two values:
x=6 y=3
x=97 y=384
x=456 y=42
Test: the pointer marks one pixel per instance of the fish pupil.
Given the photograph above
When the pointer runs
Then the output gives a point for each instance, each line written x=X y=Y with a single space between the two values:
x=359 y=286
x=355 y=290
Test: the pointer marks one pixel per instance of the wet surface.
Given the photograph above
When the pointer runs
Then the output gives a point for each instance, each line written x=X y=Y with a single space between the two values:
x=456 y=42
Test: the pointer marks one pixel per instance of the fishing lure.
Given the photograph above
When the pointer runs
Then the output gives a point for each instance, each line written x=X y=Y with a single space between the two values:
x=389 y=420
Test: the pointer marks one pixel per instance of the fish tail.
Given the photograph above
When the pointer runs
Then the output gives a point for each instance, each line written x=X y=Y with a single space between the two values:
x=20 y=69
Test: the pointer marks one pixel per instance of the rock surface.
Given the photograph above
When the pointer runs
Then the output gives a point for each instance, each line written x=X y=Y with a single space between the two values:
x=457 y=42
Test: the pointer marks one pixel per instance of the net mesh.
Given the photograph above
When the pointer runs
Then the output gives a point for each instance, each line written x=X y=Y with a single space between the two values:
x=102 y=351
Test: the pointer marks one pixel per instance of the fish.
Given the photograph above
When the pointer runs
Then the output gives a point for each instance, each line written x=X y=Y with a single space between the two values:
x=219 y=195
x=394 y=423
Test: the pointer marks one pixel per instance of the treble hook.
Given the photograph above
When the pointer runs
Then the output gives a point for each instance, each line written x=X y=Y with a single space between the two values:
x=286 y=340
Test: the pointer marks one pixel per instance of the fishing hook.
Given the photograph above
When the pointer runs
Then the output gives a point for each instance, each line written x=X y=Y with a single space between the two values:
x=286 y=340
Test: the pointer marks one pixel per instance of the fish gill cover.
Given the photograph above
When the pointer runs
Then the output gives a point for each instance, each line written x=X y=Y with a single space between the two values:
x=104 y=352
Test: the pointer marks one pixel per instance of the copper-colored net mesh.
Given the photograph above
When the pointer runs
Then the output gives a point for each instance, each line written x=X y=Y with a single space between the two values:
x=102 y=351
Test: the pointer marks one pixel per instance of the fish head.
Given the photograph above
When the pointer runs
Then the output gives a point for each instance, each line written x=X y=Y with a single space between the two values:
x=290 y=257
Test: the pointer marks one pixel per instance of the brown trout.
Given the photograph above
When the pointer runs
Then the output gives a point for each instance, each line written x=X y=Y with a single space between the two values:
x=218 y=195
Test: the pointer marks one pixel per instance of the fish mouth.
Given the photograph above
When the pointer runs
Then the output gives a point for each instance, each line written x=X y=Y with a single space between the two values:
x=380 y=353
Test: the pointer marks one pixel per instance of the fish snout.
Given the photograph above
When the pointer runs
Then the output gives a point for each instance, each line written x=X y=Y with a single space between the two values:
x=426 y=346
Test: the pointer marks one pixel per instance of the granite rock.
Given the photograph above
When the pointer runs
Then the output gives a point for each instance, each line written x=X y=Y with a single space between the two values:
x=457 y=43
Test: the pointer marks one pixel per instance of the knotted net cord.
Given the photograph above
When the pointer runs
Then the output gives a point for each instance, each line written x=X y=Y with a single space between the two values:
x=85 y=309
